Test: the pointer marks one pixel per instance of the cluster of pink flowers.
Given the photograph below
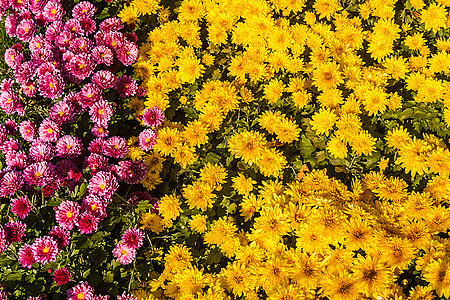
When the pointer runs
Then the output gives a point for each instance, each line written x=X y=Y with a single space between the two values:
x=66 y=53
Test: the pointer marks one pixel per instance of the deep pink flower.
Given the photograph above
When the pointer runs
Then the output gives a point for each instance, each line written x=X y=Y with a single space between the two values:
x=37 y=42
x=80 y=45
x=83 y=10
x=94 y=205
x=10 y=183
x=49 y=131
x=125 y=86
x=69 y=146
x=36 y=6
x=87 y=223
x=51 y=86
x=16 y=159
x=14 y=231
x=9 y=102
x=64 y=38
x=73 y=26
x=7 y=84
x=61 y=276
x=67 y=214
x=63 y=169
x=133 y=238
x=13 y=58
x=3 y=295
x=152 y=117
x=27 y=130
x=62 y=112
x=45 y=67
x=11 y=25
x=38 y=174
x=128 y=53
x=95 y=162
x=104 y=79
x=103 y=184
x=97 y=146
x=102 y=55
x=126 y=296
x=26 y=257
x=61 y=236
x=45 y=249
x=19 y=5
x=29 y=89
x=116 y=147
x=53 y=30
x=41 y=151
x=124 y=254
x=53 y=11
x=88 y=25
x=88 y=95
x=24 y=72
x=21 y=206
x=147 y=139
x=81 y=66
x=10 y=126
x=81 y=291
x=99 y=131
x=101 y=112
x=25 y=30
x=9 y=145
x=132 y=172
x=111 y=24
x=114 y=40
x=4 y=243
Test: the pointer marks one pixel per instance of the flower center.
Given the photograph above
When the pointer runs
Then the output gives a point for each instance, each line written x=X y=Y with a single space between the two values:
x=12 y=57
x=68 y=146
x=94 y=207
x=80 y=296
x=61 y=113
x=124 y=252
x=37 y=174
x=53 y=11
x=50 y=131
x=46 y=250
x=113 y=43
x=51 y=85
x=81 y=66
x=102 y=186
x=100 y=130
x=100 y=111
x=69 y=214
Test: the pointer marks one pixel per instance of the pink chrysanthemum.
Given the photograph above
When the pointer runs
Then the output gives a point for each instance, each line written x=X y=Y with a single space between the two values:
x=62 y=112
x=97 y=146
x=45 y=66
x=88 y=25
x=61 y=276
x=27 y=131
x=133 y=238
x=81 y=66
x=67 y=214
x=37 y=42
x=69 y=146
x=64 y=169
x=15 y=230
x=152 y=117
x=29 y=89
x=102 y=55
x=111 y=24
x=114 y=40
x=53 y=11
x=21 y=206
x=88 y=95
x=9 y=145
x=10 y=183
x=99 y=131
x=73 y=26
x=95 y=163
x=26 y=257
x=6 y=85
x=128 y=53
x=104 y=79
x=147 y=139
x=11 y=25
x=80 y=45
x=53 y=30
x=124 y=254
x=16 y=159
x=25 y=30
x=51 y=86
x=126 y=296
x=4 y=243
x=101 y=112
x=80 y=291
x=49 y=131
x=94 y=205
x=101 y=297
x=103 y=184
x=45 y=250
x=3 y=295
x=24 y=72
x=41 y=151
x=116 y=147
x=126 y=86
x=64 y=38
x=10 y=126
x=36 y=6
x=61 y=236
x=9 y=102
x=13 y=58
x=87 y=223
x=83 y=10
x=38 y=174
x=132 y=172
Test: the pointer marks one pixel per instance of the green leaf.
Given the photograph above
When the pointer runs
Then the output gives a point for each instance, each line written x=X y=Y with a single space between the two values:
x=306 y=147
x=211 y=157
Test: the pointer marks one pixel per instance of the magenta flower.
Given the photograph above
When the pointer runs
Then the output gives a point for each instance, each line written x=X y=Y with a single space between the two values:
x=80 y=45
x=61 y=236
x=25 y=30
x=97 y=146
x=53 y=30
x=62 y=112
x=9 y=102
x=124 y=254
x=87 y=223
x=21 y=206
x=101 y=112
x=49 y=131
x=128 y=53
x=53 y=11
x=61 y=276
x=27 y=130
x=38 y=174
x=114 y=40
x=37 y=42
x=64 y=38
x=16 y=159
x=83 y=10
x=51 y=86
x=67 y=214
x=10 y=183
x=126 y=296
x=29 y=89
x=11 y=25
x=132 y=172
x=88 y=26
x=45 y=67
x=26 y=257
x=152 y=117
x=13 y=58
x=126 y=86
x=111 y=24
x=147 y=139
x=95 y=162
x=6 y=84
x=102 y=55
x=45 y=249
x=74 y=26
x=36 y=6
x=104 y=79
x=80 y=291
x=99 y=131
x=81 y=66
x=94 y=205
x=88 y=95
x=116 y=147
x=103 y=184
x=41 y=151
x=133 y=238
x=24 y=73
x=15 y=230
x=4 y=243
x=3 y=295
x=69 y=146
x=10 y=126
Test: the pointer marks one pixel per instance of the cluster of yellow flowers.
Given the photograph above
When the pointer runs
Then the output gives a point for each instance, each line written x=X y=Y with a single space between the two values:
x=254 y=92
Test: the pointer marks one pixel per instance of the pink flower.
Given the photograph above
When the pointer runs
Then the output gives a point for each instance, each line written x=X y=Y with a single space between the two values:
x=81 y=291
x=49 y=131
x=124 y=254
x=62 y=112
x=27 y=130
x=88 y=95
x=45 y=249
x=16 y=159
x=52 y=11
x=61 y=276
x=26 y=257
x=97 y=146
x=67 y=214
x=9 y=102
x=94 y=205
x=87 y=223
x=10 y=183
x=61 y=236
x=101 y=112
x=111 y=24
x=103 y=184
x=102 y=55
x=126 y=86
x=29 y=89
x=128 y=53
x=80 y=45
x=95 y=162
x=41 y=151
x=99 y=131
x=132 y=172
x=116 y=147
x=88 y=26
x=147 y=139
x=83 y=10
x=63 y=39
x=114 y=40
x=25 y=30
x=104 y=79
x=13 y=58
x=11 y=25
x=38 y=174
x=81 y=66
x=152 y=117
x=36 y=43
x=21 y=206
x=15 y=230
x=126 y=296
x=51 y=86
x=74 y=26
x=69 y=146
x=133 y=237
x=53 y=30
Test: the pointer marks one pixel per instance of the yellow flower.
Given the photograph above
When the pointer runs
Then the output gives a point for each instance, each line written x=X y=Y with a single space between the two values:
x=434 y=17
x=129 y=14
x=273 y=222
x=152 y=221
x=199 y=195
x=271 y=162
x=398 y=137
x=337 y=148
x=191 y=10
x=415 y=41
x=287 y=131
x=243 y=185
x=398 y=252
x=154 y=161
x=363 y=143
x=269 y=120
x=168 y=140
x=169 y=207
x=198 y=223
x=146 y=6
x=184 y=155
x=327 y=76
x=250 y=205
x=301 y=98
x=326 y=8
x=195 y=134
x=178 y=258
x=413 y=157
x=342 y=287
x=330 y=98
x=237 y=278
x=323 y=121
x=371 y=275
x=189 y=69
x=213 y=174
x=222 y=230
x=396 y=67
x=151 y=180
x=248 y=145
x=273 y=90
x=439 y=161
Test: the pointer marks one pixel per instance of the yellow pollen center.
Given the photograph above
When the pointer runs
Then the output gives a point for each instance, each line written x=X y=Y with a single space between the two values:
x=68 y=146
x=38 y=45
x=113 y=43
x=26 y=30
x=12 y=57
x=46 y=250
x=51 y=85
x=84 y=11
x=80 y=296
x=37 y=174
x=89 y=95
x=69 y=214
x=124 y=252
x=94 y=207
x=61 y=113
x=50 y=130
x=102 y=186
x=81 y=66
x=53 y=11
x=147 y=140
x=100 y=111
x=100 y=130
x=9 y=100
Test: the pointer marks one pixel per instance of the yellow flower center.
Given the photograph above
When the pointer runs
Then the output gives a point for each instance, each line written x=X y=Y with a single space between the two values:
x=124 y=252
x=46 y=250
x=37 y=174
x=113 y=43
x=147 y=140
x=12 y=57
x=61 y=113
x=102 y=186
x=90 y=96
x=53 y=11
x=100 y=130
x=51 y=85
x=68 y=146
x=100 y=111
x=94 y=207
x=50 y=131
x=69 y=214
x=81 y=66
x=80 y=296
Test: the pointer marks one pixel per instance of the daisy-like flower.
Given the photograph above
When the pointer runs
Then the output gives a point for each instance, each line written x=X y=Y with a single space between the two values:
x=88 y=25
x=83 y=10
x=126 y=296
x=38 y=174
x=21 y=206
x=104 y=79
x=132 y=172
x=87 y=223
x=73 y=26
x=13 y=58
x=94 y=206
x=67 y=214
x=103 y=184
x=97 y=146
x=14 y=231
x=147 y=139
x=89 y=95
x=42 y=58
x=23 y=73
x=61 y=276
x=16 y=159
x=80 y=45
x=102 y=55
x=99 y=131
x=80 y=291
x=62 y=112
x=53 y=30
x=152 y=117
x=9 y=102
x=69 y=146
x=29 y=89
x=25 y=30
x=52 y=11
x=10 y=183
x=49 y=131
x=95 y=162
x=10 y=126
x=64 y=38
x=116 y=147
x=41 y=151
x=61 y=236
x=133 y=237
x=101 y=112
x=45 y=250
x=126 y=86
x=114 y=40
x=26 y=257
x=51 y=86
x=81 y=66
x=128 y=53
x=124 y=254
x=11 y=25
x=111 y=24
x=37 y=42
